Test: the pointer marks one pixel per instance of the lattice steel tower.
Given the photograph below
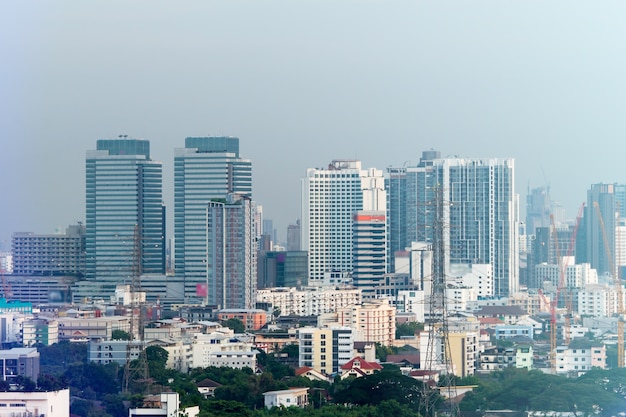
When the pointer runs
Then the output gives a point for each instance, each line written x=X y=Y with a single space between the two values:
x=438 y=354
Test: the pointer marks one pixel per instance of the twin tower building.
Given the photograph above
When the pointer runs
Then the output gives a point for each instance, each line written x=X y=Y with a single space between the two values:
x=353 y=220
x=125 y=236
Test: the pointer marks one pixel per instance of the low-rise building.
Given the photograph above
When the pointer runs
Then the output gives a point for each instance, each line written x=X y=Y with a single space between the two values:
x=222 y=348
x=309 y=301
x=104 y=352
x=91 y=328
x=19 y=362
x=252 y=319
x=38 y=403
x=39 y=331
x=579 y=357
x=524 y=356
x=495 y=359
x=504 y=331
x=166 y=404
x=207 y=387
x=358 y=367
x=297 y=397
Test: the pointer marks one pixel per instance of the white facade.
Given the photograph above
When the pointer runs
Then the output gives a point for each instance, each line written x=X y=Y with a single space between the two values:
x=311 y=301
x=410 y=301
x=40 y=404
x=6 y=262
x=476 y=276
x=298 y=397
x=576 y=275
x=221 y=349
x=597 y=300
x=459 y=296
x=581 y=359
x=167 y=405
x=329 y=199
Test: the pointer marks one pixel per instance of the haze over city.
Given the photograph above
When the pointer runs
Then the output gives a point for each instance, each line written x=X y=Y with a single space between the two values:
x=302 y=83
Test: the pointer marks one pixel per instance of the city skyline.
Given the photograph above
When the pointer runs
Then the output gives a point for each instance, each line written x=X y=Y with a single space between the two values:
x=302 y=84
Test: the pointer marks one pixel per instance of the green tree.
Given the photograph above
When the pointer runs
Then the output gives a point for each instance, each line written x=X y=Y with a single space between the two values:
x=408 y=329
x=118 y=334
x=235 y=324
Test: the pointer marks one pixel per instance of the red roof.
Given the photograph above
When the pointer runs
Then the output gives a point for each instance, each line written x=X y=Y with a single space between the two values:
x=303 y=370
x=490 y=320
x=362 y=364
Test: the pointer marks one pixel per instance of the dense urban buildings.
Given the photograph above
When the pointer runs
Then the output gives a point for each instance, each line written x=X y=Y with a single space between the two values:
x=480 y=212
x=330 y=197
x=125 y=225
x=205 y=169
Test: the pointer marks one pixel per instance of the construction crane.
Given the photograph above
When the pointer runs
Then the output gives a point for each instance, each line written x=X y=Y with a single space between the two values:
x=618 y=290
x=570 y=248
x=562 y=265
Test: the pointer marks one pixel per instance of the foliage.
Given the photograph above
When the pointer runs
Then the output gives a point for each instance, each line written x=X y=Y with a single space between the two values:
x=235 y=324
x=408 y=329
x=55 y=358
x=47 y=382
x=118 y=334
x=383 y=351
x=383 y=385
x=519 y=389
x=292 y=350
x=92 y=377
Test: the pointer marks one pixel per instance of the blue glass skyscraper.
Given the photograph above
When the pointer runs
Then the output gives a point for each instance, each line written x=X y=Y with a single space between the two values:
x=205 y=169
x=125 y=224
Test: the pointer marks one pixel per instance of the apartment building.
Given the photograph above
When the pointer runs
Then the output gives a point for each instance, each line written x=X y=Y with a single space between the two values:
x=372 y=321
x=309 y=301
x=325 y=350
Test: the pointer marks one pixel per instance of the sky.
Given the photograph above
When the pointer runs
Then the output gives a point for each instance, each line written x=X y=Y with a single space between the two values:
x=304 y=82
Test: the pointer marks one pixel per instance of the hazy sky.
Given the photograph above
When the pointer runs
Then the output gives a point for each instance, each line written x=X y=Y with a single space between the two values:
x=304 y=82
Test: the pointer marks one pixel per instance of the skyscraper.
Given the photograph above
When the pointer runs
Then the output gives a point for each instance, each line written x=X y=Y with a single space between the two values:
x=330 y=197
x=125 y=215
x=610 y=200
x=369 y=245
x=231 y=252
x=538 y=209
x=206 y=168
x=481 y=213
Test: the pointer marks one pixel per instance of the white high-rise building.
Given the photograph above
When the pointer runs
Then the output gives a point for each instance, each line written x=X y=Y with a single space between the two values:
x=330 y=197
